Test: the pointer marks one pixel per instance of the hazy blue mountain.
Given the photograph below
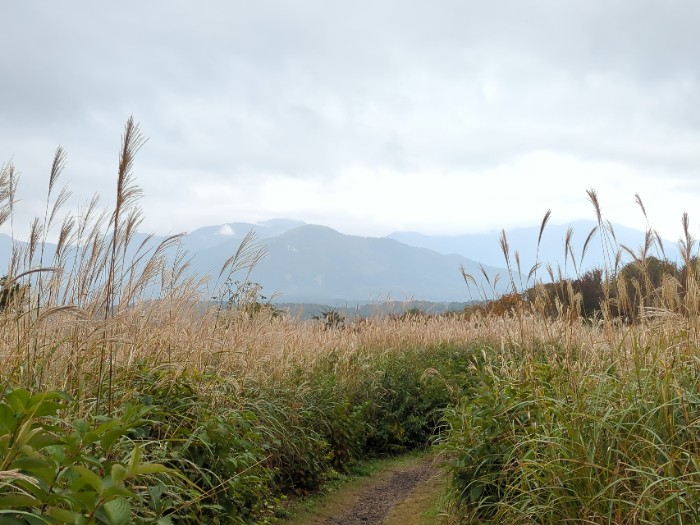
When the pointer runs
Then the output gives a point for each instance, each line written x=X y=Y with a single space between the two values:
x=234 y=232
x=317 y=264
x=486 y=247
x=309 y=263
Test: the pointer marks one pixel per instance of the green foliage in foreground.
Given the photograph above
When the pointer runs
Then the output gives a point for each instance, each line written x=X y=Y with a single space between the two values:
x=532 y=442
x=611 y=448
x=191 y=448
x=77 y=471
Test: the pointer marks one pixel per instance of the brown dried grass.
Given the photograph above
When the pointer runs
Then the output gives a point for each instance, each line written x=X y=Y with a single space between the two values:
x=91 y=312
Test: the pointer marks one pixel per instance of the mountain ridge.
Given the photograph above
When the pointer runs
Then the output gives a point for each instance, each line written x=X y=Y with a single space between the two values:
x=318 y=264
x=525 y=241
x=314 y=261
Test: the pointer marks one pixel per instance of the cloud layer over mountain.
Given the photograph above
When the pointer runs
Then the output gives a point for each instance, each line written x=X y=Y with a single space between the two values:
x=369 y=116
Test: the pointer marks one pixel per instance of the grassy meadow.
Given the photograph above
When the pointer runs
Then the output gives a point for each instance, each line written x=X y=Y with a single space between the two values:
x=124 y=400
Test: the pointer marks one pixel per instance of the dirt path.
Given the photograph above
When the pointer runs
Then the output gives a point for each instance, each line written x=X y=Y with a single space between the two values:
x=401 y=494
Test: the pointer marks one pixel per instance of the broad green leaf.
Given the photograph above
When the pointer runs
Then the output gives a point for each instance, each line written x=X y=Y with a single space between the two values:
x=26 y=433
x=17 y=399
x=37 y=520
x=81 y=426
x=119 y=473
x=64 y=515
x=115 y=512
x=111 y=436
x=106 y=426
x=135 y=413
x=8 y=421
x=30 y=463
x=13 y=519
x=85 y=499
x=16 y=501
x=46 y=408
x=90 y=437
x=29 y=518
x=155 y=492
x=43 y=439
x=33 y=486
x=135 y=458
x=48 y=396
x=89 y=477
x=113 y=492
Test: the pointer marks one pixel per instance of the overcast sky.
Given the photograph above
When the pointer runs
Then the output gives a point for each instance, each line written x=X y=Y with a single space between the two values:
x=369 y=116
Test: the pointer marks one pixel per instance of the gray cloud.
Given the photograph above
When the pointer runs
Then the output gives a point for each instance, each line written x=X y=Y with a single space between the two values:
x=241 y=92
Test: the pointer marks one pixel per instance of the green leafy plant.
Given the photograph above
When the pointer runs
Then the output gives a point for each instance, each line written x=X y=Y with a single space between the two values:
x=53 y=472
x=218 y=449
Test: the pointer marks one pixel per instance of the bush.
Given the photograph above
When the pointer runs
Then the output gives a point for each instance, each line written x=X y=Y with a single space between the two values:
x=78 y=471
x=609 y=449
x=218 y=448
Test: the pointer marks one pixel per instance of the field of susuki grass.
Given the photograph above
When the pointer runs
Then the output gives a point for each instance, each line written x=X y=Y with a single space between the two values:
x=124 y=400
x=588 y=411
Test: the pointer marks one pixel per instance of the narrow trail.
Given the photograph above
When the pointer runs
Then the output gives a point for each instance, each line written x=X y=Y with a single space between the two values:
x=375 y=502
x=400 y=494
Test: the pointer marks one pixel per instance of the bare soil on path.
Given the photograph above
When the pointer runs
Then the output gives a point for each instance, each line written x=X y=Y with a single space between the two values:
x=400 y=494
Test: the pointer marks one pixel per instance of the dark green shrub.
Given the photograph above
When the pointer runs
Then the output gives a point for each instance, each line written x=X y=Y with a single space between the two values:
x=405 y=402
x=605 y=449
x=218 y=448
x=317 y=423
x=80 y=471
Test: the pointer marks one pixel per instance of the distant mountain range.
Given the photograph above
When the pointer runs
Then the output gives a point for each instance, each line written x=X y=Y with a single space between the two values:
x=486 y=248
x=310 y=263
x=314 y=264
